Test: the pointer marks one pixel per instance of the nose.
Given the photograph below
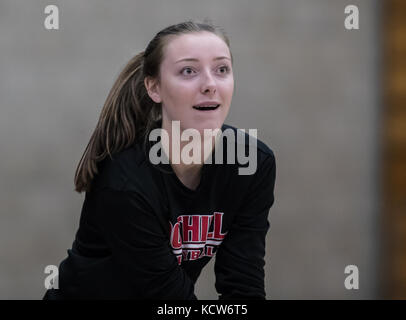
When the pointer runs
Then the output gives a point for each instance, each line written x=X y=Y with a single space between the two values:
x=208 y=83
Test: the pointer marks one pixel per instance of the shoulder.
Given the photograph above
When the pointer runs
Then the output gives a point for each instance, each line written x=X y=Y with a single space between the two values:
x=126 y=170
x=128 y=180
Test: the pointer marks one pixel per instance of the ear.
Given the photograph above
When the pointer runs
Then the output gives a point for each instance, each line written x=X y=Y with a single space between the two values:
x=153 y=89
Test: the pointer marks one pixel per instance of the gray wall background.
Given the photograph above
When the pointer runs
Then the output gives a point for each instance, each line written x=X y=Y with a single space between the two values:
x=306 y=83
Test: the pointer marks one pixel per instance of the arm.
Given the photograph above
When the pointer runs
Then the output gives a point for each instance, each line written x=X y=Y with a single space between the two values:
x=140 y=247
x=239 y=264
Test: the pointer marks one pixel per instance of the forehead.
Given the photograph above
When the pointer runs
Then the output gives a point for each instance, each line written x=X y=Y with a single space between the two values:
x=199 y=45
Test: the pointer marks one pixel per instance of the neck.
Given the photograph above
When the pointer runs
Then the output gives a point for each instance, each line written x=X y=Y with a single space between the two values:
x=188 y=173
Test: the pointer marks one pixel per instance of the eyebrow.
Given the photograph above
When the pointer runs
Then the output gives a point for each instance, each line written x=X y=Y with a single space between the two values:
x=193 y=59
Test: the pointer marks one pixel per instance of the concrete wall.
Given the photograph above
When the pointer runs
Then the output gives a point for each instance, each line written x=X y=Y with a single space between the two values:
x=305 y=82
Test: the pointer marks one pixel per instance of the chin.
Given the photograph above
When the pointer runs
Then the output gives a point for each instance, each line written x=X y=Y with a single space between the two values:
x=212 y=125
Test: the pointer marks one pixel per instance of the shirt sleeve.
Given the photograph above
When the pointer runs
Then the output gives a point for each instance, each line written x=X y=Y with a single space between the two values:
x=239 y=264
x=140 y=247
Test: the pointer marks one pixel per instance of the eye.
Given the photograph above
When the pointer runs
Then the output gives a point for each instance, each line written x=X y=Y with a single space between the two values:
x=225 y=68
x=189 y=71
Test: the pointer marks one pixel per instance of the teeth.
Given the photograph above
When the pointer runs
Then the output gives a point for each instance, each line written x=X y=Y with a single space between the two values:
x=208 y=106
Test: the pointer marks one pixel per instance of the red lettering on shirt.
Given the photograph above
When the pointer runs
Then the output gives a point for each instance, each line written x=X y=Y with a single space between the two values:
x=190 y=237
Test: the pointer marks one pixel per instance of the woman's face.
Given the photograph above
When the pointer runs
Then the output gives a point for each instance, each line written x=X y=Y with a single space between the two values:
x=196 y=69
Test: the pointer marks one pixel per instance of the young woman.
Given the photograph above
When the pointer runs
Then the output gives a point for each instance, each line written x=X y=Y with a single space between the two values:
x=147 y=229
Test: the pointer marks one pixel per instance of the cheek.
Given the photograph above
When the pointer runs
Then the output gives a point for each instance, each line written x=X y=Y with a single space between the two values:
x=177 y=90
x=228 y=89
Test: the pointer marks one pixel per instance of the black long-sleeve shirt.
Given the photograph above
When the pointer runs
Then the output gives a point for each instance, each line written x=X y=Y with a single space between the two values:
x=145 y=235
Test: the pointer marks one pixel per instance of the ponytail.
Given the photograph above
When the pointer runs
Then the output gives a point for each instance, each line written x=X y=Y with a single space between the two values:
x=127 y=115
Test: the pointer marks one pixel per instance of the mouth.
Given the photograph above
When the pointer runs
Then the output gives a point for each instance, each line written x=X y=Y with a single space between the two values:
x=206 y=108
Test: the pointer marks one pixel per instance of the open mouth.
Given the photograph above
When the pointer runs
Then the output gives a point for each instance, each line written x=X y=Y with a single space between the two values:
x=206 y=108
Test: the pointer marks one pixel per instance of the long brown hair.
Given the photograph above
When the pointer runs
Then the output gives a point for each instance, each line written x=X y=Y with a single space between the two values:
x=129 y=114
